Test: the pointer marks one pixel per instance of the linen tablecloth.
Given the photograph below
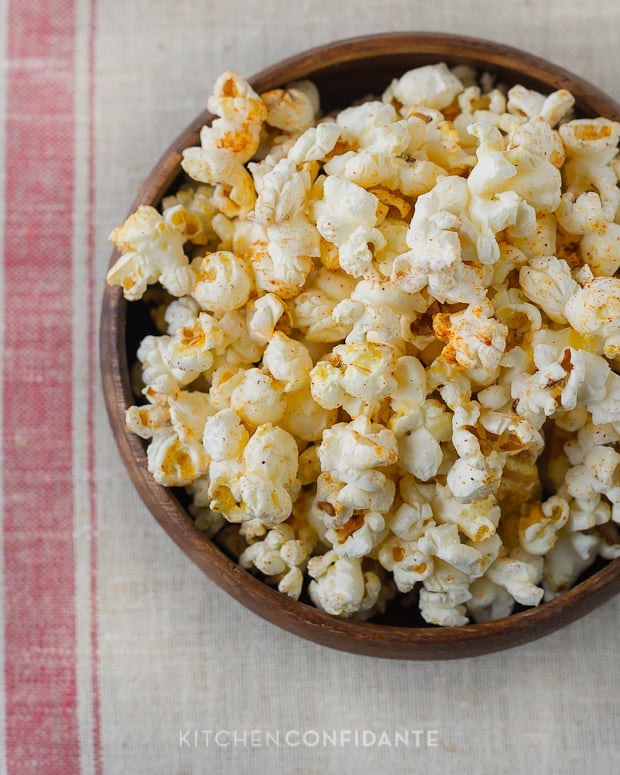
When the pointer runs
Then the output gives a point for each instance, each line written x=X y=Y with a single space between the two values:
x=118 y=655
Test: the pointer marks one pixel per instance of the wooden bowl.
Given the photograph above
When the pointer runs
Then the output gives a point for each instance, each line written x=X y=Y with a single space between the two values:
x=342 y=71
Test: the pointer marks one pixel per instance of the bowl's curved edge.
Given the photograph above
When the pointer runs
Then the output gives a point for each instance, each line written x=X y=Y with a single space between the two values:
x=354 y=636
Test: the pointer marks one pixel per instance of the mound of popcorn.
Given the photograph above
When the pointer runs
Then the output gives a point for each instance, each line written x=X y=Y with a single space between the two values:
x=387 y=342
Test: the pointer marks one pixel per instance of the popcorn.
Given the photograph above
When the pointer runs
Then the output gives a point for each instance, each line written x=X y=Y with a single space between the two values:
x=151 y=250
x=347 y=216
x=356 y=377
x=288 y=362
x=433 y=86
x=340 y=586
x=292 y=109
x=595 y=310
x=547 y=281
x=372 y=325
x=350 y=455
x=228 y=143
x=223 y=281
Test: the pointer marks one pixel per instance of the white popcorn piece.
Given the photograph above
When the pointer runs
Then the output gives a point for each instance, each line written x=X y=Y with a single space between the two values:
x=547 y=281
x=283 y=551
x=406 y=561
x=566 y=560
x=519 y=578
x=228 y=143
x=600 y=249
x=257 y=398
x=433 y=86
x=488 y=601
x=443 y=541
x=340 y=586
x=373 y=126
x=476 y=340
x=223 y=281
x=265 y=315
x=355 y=376
x=350 y=454
x=151 y=247
x=224 y=435
x=419 y=425
x=288 y=361
x=359 y=536
x=181 y=313
x=540 y=523
x=284 y=191
x=269 y=481
x=347 y=217
x=315 y=143
x=303 y=417
x=591 y=147
x=565 y=376
x=292 y=109
x=594 y=310
x=312 y=309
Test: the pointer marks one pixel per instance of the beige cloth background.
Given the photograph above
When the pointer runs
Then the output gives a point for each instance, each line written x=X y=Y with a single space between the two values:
x=174 y=652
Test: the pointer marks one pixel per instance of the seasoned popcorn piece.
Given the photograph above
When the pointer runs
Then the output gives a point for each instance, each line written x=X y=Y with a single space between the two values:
x=312 y=309
x=151 y=247
x=350 y=456
x=420 y=425
x=566 y=560
x=288 y=361
x=347 y=217
x=406 y=561
x=195 y=210
x=292 y=109
x=476 y=340
x=443 y=541
x=258 y=398
x=600 y=249
x=228 y=143
x=359 y=535
x=476 y=473
x=488 y=601
x=594 y=310
x=192 y=348
x=283 y=552
x=174 y=463
x=433 y=86
x=519 y=574
x=340 y=586
x=478 y=520
x=355 y=376
x=267 y=314
x=548 y=282
x=591 y=148
x=223 y=281
x=269 y=483
x=540 y=523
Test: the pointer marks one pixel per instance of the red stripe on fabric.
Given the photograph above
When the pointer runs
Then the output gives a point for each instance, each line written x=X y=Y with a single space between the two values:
x=92 y=386
x=40 y=628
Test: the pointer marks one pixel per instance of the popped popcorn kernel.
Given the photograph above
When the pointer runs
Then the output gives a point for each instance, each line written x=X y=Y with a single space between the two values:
x=387 y=341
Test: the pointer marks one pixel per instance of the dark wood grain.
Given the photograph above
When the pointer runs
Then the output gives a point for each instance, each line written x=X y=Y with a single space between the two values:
x=344 y=71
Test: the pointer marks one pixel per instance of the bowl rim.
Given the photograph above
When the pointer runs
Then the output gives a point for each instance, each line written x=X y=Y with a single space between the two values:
x=356 y=636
